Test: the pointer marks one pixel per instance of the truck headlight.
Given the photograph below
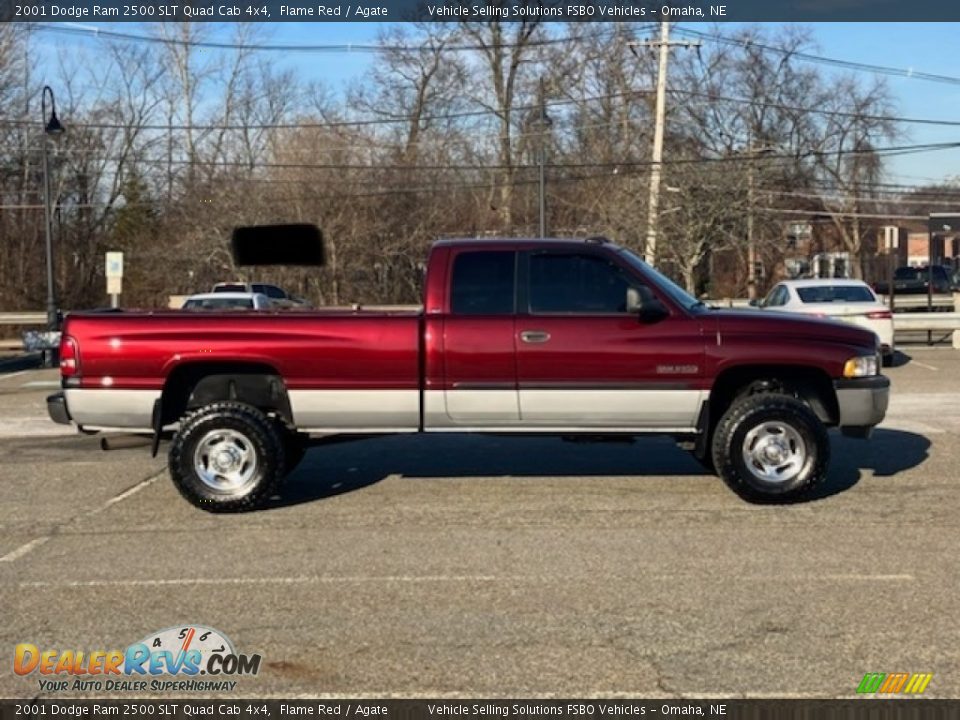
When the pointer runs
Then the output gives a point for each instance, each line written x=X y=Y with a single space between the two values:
x=860 y=366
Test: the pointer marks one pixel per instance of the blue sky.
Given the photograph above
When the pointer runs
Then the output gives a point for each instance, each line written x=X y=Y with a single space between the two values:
x=923 y=47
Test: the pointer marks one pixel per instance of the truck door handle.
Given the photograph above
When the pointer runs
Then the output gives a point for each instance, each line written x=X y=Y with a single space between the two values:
x=534 y=336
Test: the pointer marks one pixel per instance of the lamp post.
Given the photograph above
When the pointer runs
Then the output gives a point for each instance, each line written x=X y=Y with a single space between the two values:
x=51 y=128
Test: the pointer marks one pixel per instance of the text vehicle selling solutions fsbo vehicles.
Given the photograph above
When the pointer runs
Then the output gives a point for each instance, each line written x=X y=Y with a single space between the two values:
x=575 y=338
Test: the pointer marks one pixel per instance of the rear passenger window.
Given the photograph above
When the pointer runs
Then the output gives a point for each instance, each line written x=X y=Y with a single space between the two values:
x=483 y=283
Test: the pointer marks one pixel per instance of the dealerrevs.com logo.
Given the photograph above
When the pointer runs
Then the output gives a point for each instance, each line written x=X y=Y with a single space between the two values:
x=173 y=659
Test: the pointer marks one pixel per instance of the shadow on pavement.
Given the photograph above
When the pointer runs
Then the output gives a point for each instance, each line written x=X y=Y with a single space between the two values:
x=886 y=453
x=899 y=359
x=20 y=362
x=335 y=469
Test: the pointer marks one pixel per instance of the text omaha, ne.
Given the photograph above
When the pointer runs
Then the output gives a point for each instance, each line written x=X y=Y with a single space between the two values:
x=583 y=10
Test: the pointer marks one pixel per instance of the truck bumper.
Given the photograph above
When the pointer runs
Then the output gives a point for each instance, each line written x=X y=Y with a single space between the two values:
x=57 y=409
x=862 y=402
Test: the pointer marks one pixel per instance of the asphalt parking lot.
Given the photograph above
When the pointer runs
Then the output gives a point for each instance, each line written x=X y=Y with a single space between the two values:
x=488 y=566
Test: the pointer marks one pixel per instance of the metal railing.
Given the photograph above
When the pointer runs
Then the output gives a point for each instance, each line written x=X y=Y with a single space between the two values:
x=23 y=318
x=31 y=340
x=902 y=321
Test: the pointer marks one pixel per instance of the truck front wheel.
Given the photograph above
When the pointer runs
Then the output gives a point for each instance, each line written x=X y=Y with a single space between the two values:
x=771 y=446
x=227 y=457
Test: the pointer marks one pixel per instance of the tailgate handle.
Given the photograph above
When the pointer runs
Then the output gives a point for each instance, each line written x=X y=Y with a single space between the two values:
x=534 y=336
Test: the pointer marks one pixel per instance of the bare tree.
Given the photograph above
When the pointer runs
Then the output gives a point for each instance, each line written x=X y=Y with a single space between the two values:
x=504 y=56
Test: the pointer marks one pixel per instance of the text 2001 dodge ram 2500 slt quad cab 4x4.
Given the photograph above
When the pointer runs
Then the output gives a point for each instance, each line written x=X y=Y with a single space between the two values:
x=565 y=337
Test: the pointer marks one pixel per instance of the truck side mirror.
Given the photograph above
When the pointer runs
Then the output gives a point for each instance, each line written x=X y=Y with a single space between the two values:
x=755 y=302
x=646 y=306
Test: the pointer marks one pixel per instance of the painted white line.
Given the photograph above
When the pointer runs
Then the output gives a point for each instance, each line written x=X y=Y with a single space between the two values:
x=13 y=375
x=924 y=365
x=914 y=426
x=841 y=578
x=24 y=549
x=37 y=542
x=300 y=580
x=41 y=384
x=33 y=426
x=132 y=491
x=326 y=579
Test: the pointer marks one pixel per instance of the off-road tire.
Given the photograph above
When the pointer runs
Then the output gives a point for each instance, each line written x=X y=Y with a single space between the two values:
x=788 y=423
x=252 y=431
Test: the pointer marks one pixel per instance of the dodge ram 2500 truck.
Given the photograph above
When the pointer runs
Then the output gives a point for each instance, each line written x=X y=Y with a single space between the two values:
x=575 y=338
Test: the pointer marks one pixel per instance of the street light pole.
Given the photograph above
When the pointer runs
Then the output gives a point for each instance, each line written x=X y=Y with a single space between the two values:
x=53 y=128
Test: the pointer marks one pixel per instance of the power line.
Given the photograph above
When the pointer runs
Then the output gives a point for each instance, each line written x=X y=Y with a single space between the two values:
x=825 y=198
x=445 y=188
x=340 y=123
x=819 y=111
x=820 y=59
x=736 y=159
x=97 y=32
x=867 y=216
x=374 y=121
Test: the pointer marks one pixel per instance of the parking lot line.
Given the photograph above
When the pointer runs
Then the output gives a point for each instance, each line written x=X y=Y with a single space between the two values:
x=24 y=549
x=130 y=491
x=37 y=542
x=325 y=579
x=924 y=365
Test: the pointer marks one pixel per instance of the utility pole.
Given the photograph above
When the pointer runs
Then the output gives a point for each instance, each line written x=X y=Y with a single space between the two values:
x=653 y=205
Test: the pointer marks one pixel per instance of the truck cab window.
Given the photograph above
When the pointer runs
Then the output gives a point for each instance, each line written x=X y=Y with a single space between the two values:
x=577 y=283
x=483 y=283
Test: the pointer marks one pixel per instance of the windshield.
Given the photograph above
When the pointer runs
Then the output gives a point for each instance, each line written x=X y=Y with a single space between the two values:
x=668 y=286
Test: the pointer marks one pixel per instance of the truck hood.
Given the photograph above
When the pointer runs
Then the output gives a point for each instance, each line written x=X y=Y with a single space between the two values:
x=773 y=325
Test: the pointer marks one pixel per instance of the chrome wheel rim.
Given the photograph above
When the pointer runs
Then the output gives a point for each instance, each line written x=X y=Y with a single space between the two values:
x=225 y=461
x=774 y=452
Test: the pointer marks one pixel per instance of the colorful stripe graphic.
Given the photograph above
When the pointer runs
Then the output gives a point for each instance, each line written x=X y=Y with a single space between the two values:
x=892 y=683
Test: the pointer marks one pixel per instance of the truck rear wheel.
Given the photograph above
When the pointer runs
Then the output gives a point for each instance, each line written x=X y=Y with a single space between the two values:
x=227 y=457
x=771 y=446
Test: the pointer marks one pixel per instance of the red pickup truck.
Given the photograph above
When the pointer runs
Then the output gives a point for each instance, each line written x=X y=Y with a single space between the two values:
x=574 y=338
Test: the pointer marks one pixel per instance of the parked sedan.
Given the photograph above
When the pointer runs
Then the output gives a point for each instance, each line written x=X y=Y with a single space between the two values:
x=847 y=300
x=227 y=301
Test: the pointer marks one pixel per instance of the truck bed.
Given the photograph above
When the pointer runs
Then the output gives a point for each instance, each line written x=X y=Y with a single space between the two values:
x=330 y=361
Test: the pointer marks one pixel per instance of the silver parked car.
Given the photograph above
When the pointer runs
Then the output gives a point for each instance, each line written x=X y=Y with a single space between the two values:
x=228 y=301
